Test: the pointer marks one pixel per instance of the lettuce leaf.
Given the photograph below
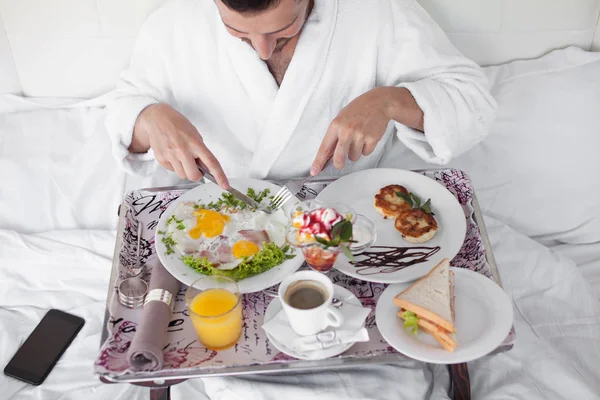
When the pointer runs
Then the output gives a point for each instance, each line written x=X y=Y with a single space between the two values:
x=411 y=321
x=268 y=257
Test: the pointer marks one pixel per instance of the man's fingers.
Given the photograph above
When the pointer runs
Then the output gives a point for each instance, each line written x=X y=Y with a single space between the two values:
x=179 y=169
x=191 y=169
x=369 y=147
x=341 y=151
x=213 y=165
x=325 y=152
x=166 y=164
x=356 y=150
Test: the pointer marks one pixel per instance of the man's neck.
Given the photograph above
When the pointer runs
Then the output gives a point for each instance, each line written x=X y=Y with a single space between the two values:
x=279 y=63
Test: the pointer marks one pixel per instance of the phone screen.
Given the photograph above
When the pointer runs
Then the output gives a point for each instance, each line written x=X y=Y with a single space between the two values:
x=37 y=356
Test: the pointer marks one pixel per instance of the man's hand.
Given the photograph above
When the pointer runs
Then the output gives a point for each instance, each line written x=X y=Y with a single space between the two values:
x=176 y=143
x=360 y=125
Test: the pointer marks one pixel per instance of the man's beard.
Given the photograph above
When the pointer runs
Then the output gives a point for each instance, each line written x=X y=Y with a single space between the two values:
x=281 y=43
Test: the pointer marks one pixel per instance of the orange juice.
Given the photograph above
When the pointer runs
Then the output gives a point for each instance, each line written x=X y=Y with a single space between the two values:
x=217 y=318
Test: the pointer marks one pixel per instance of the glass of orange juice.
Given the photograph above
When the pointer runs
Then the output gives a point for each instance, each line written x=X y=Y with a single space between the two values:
x=215 y=307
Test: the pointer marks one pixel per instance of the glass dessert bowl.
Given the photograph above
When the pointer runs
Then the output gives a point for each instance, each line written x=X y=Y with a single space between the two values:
x=324 y=230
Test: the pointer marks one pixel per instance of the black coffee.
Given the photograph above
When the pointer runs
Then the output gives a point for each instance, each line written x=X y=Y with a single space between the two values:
x=305 y=295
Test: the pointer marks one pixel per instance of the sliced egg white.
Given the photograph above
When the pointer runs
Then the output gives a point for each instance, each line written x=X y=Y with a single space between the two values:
x=184 y=210
x=185 y=244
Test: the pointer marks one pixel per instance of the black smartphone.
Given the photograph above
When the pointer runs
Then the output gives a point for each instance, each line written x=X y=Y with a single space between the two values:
x=43 y=348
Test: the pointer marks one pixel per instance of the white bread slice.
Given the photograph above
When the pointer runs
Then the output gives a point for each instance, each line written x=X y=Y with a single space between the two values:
x=431 y=297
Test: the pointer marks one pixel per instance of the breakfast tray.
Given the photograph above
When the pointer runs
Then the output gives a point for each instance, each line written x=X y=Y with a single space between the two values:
x=184 y=355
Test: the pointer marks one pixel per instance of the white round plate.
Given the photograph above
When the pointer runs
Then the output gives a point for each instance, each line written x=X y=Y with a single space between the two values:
x=358 y=191
x=275 y=306
x=210 y=192
x=483 y=318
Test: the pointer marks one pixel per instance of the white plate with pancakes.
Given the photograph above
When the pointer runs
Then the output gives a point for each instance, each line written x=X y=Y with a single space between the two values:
x=405 y=261
x=209 y=192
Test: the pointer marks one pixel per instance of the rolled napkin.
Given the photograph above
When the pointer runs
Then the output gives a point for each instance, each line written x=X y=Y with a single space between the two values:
x=146 y=350
x=351 y=331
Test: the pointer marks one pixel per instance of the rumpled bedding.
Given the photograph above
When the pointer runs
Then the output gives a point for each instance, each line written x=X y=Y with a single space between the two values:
x=68 y=270
x=557 y=320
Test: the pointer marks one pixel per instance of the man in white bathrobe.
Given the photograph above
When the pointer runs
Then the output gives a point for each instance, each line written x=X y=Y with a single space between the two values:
x=274 y=88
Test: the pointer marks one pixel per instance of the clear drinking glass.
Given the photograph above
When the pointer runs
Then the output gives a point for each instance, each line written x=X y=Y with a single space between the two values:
x=215 y=308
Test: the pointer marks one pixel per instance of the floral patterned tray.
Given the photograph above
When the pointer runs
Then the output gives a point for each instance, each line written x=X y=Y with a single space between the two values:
x=185 y=357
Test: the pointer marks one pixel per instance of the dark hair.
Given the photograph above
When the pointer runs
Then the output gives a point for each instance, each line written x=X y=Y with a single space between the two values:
x=250 y=6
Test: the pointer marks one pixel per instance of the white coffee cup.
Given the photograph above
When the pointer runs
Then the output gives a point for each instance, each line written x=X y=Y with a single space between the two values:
x=313 y=320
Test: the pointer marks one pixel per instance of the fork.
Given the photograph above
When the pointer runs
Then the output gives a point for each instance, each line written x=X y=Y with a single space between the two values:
x=290 y=189
x=287 y=191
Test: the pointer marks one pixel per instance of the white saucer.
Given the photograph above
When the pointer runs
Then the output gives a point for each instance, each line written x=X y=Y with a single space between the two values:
x=275 y=306
x=483 y=318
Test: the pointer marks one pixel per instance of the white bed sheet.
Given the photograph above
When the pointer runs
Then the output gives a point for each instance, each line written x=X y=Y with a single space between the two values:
x=557 y=320
x=587 y=258
x=68 y=270
x=57 y=167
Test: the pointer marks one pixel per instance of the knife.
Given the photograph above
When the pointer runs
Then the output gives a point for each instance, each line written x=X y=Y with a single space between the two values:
x=239 y=195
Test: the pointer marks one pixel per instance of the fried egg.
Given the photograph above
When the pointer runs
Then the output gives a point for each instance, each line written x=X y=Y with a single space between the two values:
x=209 y=223
x=228 y=251
x=185 y=243
x=244 y=248
x=225 y=238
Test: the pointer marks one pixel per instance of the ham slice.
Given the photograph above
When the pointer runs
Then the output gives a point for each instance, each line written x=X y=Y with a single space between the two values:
x=224 y=254
x=255 y=236
x=219 y=253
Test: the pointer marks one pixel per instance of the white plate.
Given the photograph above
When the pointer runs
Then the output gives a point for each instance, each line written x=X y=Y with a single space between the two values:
x=275 y=306
x=483 y=318
x=358 y=190
x=211 y=192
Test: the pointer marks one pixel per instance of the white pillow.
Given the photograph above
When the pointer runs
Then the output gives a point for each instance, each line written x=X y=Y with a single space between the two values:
x=539 y=169
x=57 y=166
x=57 y=171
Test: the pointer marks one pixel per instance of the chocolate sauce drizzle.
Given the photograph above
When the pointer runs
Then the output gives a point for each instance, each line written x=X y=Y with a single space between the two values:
x=391 y=260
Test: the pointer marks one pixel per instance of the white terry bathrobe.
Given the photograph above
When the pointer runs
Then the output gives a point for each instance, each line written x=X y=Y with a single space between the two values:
x=185 y=57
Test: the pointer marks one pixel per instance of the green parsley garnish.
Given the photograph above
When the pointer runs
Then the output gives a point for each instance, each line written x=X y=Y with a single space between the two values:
x=169 y=243
x=229 y=202
x=173 y=219
x=258 y=197
x=415 y=202
x=411 y=321
x=161 y=232
x=270 y=256
x=180 y=226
